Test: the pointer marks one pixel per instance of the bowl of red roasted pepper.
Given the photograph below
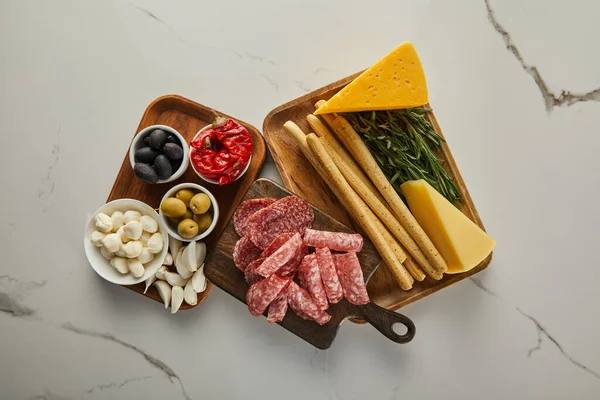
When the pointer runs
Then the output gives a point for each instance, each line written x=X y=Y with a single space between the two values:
x=220 y=153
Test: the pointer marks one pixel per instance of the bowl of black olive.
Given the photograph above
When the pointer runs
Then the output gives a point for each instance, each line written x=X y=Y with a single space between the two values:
x=158 y=154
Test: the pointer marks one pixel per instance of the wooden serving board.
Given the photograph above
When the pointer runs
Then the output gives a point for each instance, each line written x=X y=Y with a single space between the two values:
x=221 y=270
x=300 y=177
x=187 y=117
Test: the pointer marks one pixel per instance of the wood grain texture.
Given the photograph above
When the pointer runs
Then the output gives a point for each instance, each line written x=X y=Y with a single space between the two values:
x=299 y=176
x=187 y=117
x=220 y=269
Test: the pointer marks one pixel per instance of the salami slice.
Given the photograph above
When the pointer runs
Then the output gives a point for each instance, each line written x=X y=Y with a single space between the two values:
x=278 y=308
x=299 y=299
x=351 y=278
x=276 y=243
x=246 y=210
x=281 y=256
x=331 y=282
x=244 y=253
x=288 y=214
x=251 y=275
x=296 y=309
x=290 y=267
x=312 y=280
x=262 y=293
x=339 y=241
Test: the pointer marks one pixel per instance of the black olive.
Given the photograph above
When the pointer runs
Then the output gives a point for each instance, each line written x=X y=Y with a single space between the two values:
x=145 y=155
x=172 y=139
x=145 y=172
x=158 y=137
x=162 y=166
x=175 y=164
x=146 y=140
x=172 y=151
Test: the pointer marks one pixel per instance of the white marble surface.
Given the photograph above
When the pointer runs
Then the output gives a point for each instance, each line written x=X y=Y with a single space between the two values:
x=75 y=77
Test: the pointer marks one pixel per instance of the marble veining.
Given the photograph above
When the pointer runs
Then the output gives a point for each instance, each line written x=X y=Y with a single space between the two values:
x=47 y=184
x=565 y=98
x=541 y=332
x=171 y=375
x=12 y=293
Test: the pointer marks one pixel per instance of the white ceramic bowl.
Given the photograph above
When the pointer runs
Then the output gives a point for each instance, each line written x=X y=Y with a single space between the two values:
x=204 y=178
x=172 y=228
x=138 y=143
x=102 y=265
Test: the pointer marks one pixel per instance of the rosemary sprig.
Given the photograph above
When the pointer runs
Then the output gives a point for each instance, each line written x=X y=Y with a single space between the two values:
x=403 y=143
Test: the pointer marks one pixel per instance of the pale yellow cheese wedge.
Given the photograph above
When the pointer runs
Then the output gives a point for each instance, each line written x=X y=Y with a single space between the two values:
x=462 y=244
x=396 y=81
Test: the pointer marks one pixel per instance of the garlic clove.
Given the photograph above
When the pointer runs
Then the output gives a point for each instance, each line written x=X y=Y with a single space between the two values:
x=175 y=279
x=176 y=298
x=160 y=274
x=181 y=269
x=149 y=224
x=199 y=280
x=133 y=249
x=135 y=267
x=144 y=238
x=133 y=230
x=122 y=235
x=103 y=223
x=120 y=264
x=97 y=237
x=174 y=246
x=145 y=257
x=155 y=243
x=164 y=291
x=117 y=220
x=112 y=242
x=168 y=259
x=106 y=254
x=121 y=252
x=189 y=295
x=188 y=257
x=131 y=215
x=149 y=282
x=200 y=254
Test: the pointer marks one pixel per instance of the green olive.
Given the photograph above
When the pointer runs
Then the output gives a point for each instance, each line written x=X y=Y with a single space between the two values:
x=185 y=195
x=200 y=203
x=203 y=220
x=173 y=207
x=188 y=228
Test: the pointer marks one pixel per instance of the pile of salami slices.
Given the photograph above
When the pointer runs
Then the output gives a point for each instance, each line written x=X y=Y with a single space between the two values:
x=275 y=252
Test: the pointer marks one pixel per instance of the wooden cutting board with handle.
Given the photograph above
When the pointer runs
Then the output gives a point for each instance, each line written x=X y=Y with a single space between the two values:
x=221 y=271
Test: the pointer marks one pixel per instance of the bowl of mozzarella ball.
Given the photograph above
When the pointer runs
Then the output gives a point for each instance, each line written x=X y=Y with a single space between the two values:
x=125 y=242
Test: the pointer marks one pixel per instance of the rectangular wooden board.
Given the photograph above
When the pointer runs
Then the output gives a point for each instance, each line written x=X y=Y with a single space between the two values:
x=221 y=270
x=300 y=177
x=186 y=117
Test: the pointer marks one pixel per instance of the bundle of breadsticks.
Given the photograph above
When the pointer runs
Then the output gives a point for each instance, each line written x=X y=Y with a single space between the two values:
x=352 y=174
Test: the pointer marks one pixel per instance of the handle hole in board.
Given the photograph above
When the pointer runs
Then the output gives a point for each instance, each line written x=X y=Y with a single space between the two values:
x=399 y=329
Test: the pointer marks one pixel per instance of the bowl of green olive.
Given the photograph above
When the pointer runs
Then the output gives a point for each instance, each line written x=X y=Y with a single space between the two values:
x=189 y=212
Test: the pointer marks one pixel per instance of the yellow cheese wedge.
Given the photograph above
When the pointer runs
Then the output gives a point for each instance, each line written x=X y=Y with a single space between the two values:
x=460 y=242
x=396 y=81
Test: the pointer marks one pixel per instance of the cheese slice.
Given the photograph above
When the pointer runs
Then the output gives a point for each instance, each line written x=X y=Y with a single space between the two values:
x=460 y=242
x=396 y=81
